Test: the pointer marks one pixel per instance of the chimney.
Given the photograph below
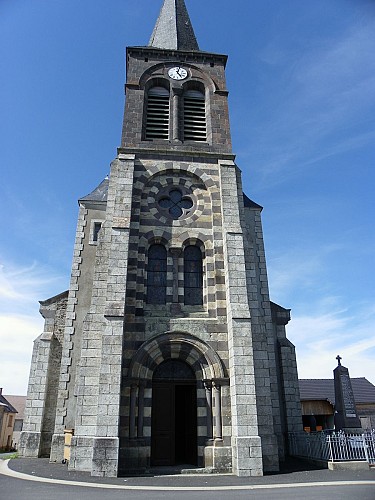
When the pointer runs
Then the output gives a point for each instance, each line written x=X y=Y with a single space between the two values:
x=1 y=391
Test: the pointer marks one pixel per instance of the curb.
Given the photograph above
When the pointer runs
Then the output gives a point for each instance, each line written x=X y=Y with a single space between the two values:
x=6 y=471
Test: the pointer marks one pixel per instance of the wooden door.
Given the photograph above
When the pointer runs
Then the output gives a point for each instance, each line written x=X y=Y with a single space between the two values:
x=174 y=423
x=186 y=424
x=163 y=420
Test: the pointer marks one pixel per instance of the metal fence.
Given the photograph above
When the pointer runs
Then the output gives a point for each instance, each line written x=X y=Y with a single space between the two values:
x=334 y=447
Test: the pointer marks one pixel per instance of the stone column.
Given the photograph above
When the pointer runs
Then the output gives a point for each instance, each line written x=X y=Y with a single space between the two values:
x=208 y=389
x=133 y=400
x=217 y=457
x=141 y=408
x=218 y=433
x=175 y=306
x=176 y=93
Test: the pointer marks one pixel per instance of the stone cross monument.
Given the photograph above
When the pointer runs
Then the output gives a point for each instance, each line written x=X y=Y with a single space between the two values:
x=346 y=417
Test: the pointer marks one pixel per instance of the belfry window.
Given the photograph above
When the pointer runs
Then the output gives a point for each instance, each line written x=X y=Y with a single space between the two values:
x=157 y=114
x=193 y=276
x=157 y=275
x=194 y=105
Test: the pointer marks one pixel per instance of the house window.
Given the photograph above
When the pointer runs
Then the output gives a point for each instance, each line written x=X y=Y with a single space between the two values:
x=194 y=104
x=10 y=421
x=157 y=114
x=193 y=276
x=157 y=275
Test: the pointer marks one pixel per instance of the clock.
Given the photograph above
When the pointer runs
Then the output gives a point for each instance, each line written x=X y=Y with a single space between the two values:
x=177 y=73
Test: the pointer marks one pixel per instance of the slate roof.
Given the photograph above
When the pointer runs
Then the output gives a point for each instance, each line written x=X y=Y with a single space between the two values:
x=173 y=29
x=323 y=389
x=99 y=194
x=250 y=203
x=55 y=298
x=8 y=407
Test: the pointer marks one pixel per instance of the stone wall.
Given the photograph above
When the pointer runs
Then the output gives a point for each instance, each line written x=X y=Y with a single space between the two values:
x=40 y=410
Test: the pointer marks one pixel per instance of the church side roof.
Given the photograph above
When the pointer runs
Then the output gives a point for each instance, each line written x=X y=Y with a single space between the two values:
x=173 y=29
x=55 y=298
x=323 y=389
x=250 y=203
x=99 y=193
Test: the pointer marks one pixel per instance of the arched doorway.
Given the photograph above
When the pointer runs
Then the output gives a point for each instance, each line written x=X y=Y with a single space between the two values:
x=174 y=414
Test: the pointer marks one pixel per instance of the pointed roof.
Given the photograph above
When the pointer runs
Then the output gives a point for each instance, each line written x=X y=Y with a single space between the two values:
x=173 y=29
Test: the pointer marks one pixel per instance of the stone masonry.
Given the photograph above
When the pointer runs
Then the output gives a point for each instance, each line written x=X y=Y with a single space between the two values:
x=100 y=365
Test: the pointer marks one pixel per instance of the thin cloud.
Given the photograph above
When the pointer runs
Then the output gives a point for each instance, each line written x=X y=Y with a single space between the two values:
x=302 y=268
x=23 y=286
x=319 y=337
x=17 y=335
x=324 y=104
x=324 y=323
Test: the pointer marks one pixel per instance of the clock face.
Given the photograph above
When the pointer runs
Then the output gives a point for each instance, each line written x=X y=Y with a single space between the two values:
x=178 y=73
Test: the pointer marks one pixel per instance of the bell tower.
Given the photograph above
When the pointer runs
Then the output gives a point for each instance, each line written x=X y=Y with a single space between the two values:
x=176 y=97
x=172 y=352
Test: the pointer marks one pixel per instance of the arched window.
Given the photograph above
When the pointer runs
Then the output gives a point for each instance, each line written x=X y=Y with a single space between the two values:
x=195 y=128
x=157 y=275
x=174 y=369
x=193 y=276
x=157 y=113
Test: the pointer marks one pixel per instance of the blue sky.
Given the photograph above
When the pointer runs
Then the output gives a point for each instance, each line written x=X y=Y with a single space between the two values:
x=301 y=77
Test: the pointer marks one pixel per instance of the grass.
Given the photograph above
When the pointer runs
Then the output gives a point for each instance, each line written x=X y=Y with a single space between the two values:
x=10 y=455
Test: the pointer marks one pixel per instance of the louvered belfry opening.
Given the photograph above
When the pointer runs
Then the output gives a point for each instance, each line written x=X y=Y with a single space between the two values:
x=157 y=119
x=195 y=128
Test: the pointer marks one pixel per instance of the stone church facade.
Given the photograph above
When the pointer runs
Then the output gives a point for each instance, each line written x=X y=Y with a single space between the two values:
x=166 y=349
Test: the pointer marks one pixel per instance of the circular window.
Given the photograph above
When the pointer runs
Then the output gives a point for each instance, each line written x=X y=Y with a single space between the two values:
x=176 y=203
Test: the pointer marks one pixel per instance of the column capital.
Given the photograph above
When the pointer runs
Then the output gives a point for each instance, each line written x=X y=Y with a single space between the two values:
x=220 y=382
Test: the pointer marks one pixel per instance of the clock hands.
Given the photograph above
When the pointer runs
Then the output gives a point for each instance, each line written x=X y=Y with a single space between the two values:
x=177 y=73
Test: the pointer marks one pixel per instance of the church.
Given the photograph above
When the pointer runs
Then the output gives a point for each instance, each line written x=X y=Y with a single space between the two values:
x=166 y=350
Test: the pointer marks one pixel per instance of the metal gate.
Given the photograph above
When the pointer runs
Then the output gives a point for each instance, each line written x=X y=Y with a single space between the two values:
x=335 y=447
x=369 y=442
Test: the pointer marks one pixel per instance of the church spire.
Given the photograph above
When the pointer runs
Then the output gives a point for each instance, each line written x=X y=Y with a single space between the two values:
x=173 y=29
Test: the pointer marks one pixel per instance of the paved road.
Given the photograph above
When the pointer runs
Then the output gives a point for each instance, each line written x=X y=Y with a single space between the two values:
x=18 y=489
x=306 y=485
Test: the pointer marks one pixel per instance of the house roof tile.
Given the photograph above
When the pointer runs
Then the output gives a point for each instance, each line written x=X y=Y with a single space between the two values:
x=323 y=389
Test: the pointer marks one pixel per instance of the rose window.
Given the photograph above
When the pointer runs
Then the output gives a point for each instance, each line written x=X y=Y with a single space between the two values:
x=176 y=203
